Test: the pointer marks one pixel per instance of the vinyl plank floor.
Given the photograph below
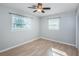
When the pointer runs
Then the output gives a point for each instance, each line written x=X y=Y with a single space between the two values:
x=42 y=47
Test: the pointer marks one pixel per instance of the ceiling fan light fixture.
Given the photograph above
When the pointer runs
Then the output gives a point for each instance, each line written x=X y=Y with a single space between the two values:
x=39 y=8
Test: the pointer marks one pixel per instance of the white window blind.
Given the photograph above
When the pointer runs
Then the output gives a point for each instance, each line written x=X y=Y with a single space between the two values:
x=20 y=22
x=53 y=24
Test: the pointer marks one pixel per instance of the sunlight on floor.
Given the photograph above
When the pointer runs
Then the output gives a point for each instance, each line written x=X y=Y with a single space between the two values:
x=56 y=52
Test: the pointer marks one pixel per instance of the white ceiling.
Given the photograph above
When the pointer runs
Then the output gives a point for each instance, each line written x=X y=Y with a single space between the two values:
x=55 y=7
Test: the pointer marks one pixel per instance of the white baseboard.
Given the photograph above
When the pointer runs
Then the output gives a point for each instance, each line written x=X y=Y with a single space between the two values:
x=58 y=41
x=19 y=45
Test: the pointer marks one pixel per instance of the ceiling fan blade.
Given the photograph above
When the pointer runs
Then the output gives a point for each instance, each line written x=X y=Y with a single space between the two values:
x=46 y=8
x=32 y=7
x=35 y=11
x=43 y=11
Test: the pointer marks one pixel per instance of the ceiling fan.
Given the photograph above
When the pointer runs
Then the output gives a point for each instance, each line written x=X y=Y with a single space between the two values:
x=39 y=8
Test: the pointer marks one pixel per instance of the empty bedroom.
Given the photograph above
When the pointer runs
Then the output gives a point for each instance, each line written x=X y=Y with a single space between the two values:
x=39 y=29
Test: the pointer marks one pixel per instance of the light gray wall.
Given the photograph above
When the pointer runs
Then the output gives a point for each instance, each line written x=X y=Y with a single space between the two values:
x=9 y=38
x=77 y=29
x=67 y=30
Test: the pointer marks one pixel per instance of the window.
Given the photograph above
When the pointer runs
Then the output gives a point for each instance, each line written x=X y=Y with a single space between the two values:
x=53 y=24
x=20 y=22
